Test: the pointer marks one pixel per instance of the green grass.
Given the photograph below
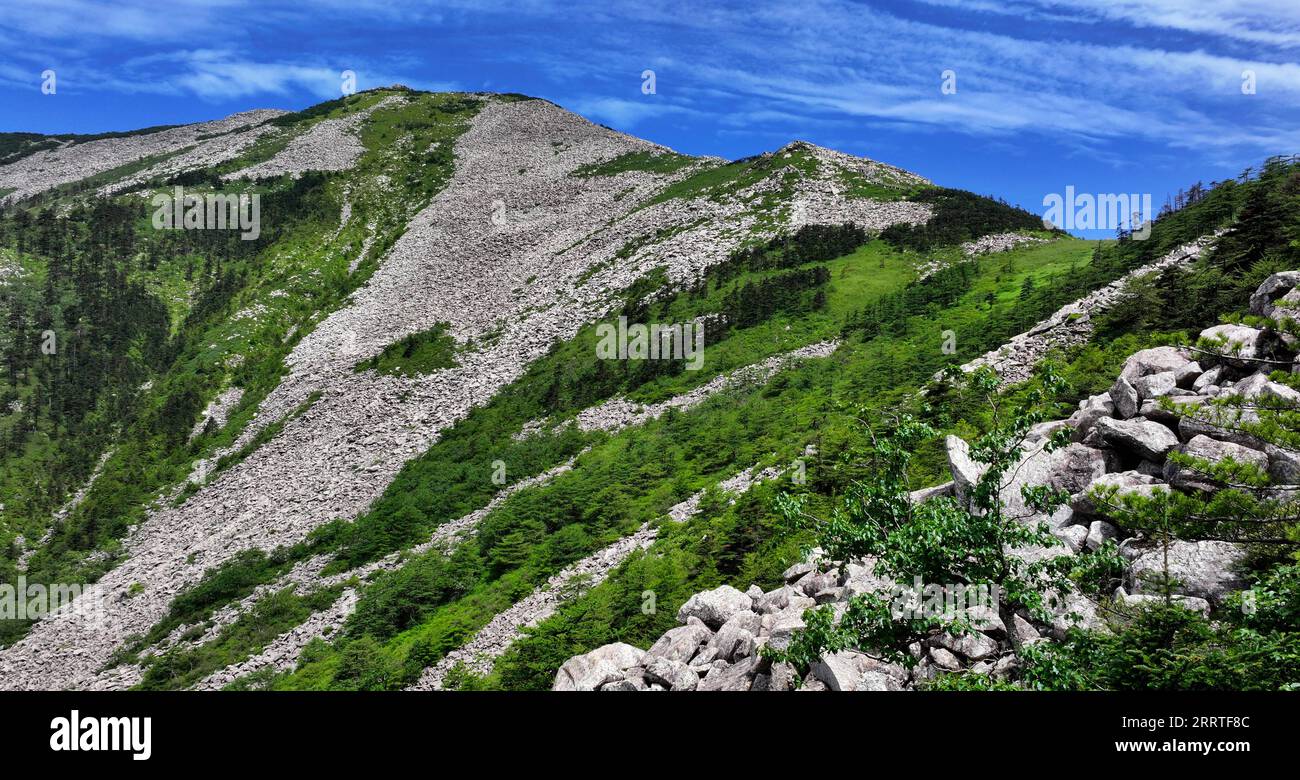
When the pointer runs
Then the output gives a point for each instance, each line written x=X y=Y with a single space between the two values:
x=417 y=354
x=652 y=162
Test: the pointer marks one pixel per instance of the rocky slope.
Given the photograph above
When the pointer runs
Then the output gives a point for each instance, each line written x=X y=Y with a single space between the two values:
x=1121 y=439
x=515 y=253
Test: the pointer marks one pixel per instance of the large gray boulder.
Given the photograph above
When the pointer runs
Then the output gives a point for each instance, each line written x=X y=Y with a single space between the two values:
x=1140 y=436
x=1190 y=427
x=965 y=472
x=1125 y=397
x=1090 y=411
x=736 y=638
x=1259 y=386
x=1204 y=569
x=925 y=494
x=1075 y=611
x=782 y=598
x=1283 y=464
x=781 y=627
x=603 y=665
x=1264 y=301
x=736 y=677
x=682 y=643
x=849 y=670
x=1186 y=376
x=673 y=675
x=1124 y=481
x=1237 y=340
x=972 y=645
x=714 y=607
x=1143 y=600
x=1155 y=385
x=1182 y=404
x=1154 y=361
x=1215 y=451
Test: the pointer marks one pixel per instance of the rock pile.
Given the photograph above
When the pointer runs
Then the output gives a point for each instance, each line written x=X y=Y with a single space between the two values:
x=998 y=242
x=1121 y=438
x=75 y=161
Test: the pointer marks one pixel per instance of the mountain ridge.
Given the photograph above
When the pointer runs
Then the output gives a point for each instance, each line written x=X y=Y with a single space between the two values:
x=261 y=478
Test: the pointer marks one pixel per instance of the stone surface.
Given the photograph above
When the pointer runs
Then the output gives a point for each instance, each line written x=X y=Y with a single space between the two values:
x=592 y=670
x=1204 y=569
x=714 y=607
x=1214 y=451
x=1140 y=436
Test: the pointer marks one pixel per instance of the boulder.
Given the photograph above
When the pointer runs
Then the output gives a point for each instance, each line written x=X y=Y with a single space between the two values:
x=860 y=579
x=944 y=659
x=1279 y=285
x=986 y=619
x=681 y=643
x=1139 y=600
x=1155 y=385
x=1209 y=377
x=972 y=645
x=840 y=671
x=965 y=472
x=1125 y=397
x=1025 y=631
x=781 y=598
x=1186 y=376
x=1283 y=464
x=603 y=665
x=1090 y=410
x=925 y=494
x=736 y=638
x=813 y=582
x=736 y=677
x=782 y=677
x=1237 y=340
x=1075 y=611
x=878 y=681
x=1190 y=427
x=1153 y=410
x=714 y=607
x=784 y=625
x=1153 y=361
x=673 y=675
x=1140 y=436
x=1259 y=386
x=1204 y=569
x=1125 y=481
x=1074 y=536
x=1099 y=532
x=1215 y=451
x=797 y=571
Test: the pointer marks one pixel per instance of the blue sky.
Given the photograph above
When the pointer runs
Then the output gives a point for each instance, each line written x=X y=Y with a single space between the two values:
x=1141 y=96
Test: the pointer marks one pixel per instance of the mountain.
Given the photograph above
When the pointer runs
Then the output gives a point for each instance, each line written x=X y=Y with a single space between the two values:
x=368 y=439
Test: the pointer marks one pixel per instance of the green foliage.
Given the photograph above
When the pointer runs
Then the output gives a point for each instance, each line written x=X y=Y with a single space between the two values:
x=652 y=162
x=268 y=618
x=940 y=541
x=959 y=216
x=417 y=354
